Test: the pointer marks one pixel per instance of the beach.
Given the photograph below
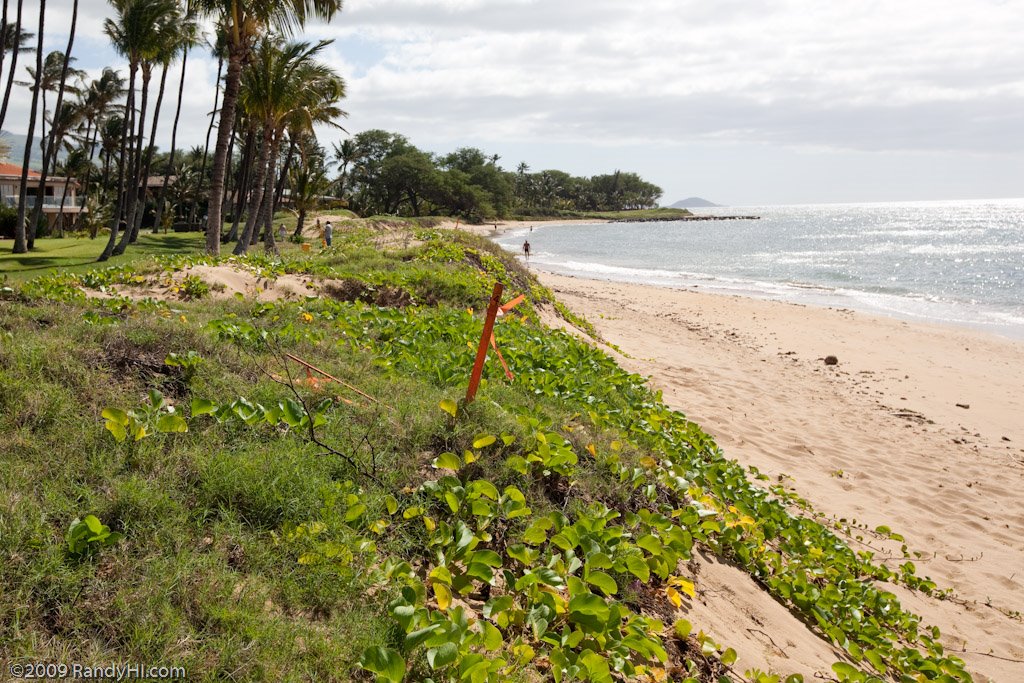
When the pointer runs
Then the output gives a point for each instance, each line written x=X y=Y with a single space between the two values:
x=916 y=427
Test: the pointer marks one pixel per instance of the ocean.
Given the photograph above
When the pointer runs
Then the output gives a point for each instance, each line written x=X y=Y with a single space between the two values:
x=955 y=262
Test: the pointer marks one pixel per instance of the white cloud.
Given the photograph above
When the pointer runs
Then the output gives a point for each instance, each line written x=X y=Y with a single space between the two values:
x=937 y=77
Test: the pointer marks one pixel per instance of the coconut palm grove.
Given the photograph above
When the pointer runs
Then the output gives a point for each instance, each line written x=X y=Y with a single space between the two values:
x=275 y=92
x=278 y=410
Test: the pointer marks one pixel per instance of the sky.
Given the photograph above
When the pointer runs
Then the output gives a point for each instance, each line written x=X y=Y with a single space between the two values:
x=743 y=103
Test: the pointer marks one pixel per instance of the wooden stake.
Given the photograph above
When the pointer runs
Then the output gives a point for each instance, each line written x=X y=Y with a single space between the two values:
x=485 y=338
x=310 y=366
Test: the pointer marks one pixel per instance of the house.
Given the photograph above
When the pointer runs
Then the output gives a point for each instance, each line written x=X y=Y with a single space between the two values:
x=60 y=198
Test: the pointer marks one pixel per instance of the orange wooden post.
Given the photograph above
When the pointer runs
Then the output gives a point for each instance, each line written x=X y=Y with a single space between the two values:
x=485 y=338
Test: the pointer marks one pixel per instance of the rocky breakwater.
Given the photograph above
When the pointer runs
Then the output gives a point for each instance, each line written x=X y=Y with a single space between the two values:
x=663 y=219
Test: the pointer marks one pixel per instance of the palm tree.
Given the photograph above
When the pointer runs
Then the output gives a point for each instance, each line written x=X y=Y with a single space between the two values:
x=14 y=40
x=156 y=36
x=110 y=143
x=283 y=83
x=243 y=178
x=218 y=49
x=187 y=38
x=164 y=50
x=76 y=165
x=345 y=154
x=51 y=146
x=20 y=244
x=309 y=181
x=133 y=35
x=3 y=35
x=96 y=102
x=242 y=21
x=318 y=108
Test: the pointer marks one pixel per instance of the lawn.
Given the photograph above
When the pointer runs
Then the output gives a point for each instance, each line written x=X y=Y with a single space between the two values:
x=79 y=254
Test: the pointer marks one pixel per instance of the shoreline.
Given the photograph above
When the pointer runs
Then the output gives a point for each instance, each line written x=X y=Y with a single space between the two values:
x=882 y=437
x=816 y=296
x=914 y=309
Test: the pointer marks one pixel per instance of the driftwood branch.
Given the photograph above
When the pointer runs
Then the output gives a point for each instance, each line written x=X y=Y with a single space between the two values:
x=312 y=435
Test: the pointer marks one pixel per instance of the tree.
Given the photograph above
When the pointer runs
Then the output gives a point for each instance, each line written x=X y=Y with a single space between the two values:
x=20 y=243
x=309 y=181
x=283 y=82
x=345 y=154
x=61 y=123
x=368 y=194
x=159 y=50
x=172 y=35
x=242 y=21
x=408 y=177
x=134 y=34
x=187 y=39
x=15 y=41
x=482 y=170
x=96 y=105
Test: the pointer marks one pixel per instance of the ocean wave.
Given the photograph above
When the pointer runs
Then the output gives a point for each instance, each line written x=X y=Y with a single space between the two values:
x=944 y=261
x=961 y=249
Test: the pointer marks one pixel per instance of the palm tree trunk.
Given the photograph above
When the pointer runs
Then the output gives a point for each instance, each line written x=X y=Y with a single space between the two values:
x=50 y=151
x=14 y=63
x=282 y=177
x=158 y=219
x=242 y=182
x=266 y=218
x=90 y=132
x=135 y=179
x=226 y=203
x=60 y=213
x=37 y=210
x=141 y=208
x=3 y=37
x=115 y=220
x=20 y=244
x=206 y=145
x=300 y=223
x=257 y=192
x=224 y=128
x=268 y=212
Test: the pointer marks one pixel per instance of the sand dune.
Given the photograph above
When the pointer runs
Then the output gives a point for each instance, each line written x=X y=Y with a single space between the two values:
x=879 y=438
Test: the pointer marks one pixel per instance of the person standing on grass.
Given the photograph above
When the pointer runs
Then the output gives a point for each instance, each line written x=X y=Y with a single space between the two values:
x=328 y=232
x=280 y=233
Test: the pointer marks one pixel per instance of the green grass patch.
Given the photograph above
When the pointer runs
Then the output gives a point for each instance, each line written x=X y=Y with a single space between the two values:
x=265 y=527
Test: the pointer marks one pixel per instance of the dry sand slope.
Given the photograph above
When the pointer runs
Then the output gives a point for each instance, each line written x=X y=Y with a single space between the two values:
x=877 y=438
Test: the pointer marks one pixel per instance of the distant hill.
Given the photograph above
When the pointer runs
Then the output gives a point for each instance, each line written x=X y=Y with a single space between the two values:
x=17 y=143
x=693 y=203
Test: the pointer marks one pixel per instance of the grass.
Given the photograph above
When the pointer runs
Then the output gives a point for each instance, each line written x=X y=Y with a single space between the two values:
x=78 y=255
x=255 y=550
x=201 y=582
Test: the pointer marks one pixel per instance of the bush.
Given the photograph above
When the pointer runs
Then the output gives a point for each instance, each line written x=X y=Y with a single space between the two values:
x=8 y=219
x=188 y=227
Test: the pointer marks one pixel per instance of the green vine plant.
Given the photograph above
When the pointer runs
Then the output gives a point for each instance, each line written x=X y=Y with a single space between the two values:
x=523 y=576
x=87 y=536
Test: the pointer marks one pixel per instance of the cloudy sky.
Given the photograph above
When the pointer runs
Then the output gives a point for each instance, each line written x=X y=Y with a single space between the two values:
x=741 y=102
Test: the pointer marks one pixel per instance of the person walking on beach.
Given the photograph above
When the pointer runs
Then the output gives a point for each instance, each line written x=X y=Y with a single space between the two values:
x=526 y=250
x=328 y=232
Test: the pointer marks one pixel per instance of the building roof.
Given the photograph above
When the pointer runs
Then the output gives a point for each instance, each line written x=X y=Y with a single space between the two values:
x=158 y=180
x=14 y=170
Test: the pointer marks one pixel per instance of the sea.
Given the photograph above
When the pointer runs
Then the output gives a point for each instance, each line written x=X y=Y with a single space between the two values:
x=953 y=262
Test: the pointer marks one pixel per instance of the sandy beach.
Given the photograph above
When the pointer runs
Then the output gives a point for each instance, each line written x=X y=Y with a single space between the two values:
x=916 y=427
